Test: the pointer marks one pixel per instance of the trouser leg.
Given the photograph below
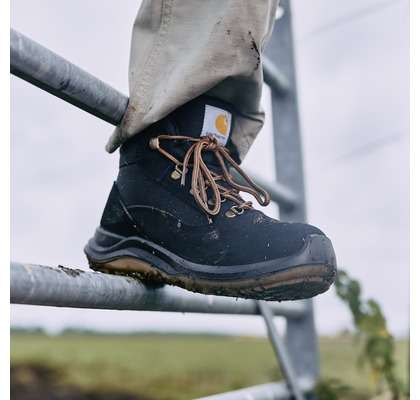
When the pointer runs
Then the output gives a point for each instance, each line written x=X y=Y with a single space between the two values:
x=182 y=49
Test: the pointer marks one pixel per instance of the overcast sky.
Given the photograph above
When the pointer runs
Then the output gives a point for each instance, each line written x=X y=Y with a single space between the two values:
x=353 y=77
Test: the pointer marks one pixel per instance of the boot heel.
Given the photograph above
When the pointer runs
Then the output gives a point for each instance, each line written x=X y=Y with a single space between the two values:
x=115 y=216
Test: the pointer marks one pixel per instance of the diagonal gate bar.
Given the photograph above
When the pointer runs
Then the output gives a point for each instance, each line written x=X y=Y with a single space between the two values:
x=281 y=351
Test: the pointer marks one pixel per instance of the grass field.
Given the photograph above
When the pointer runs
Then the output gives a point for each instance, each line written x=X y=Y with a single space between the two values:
x=180 y=367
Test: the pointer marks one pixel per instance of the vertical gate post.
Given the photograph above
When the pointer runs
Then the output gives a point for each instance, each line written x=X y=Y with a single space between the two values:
x=301 y=338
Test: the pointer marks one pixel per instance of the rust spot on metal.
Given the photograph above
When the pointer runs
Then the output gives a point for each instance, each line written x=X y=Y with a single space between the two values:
x=73 y=272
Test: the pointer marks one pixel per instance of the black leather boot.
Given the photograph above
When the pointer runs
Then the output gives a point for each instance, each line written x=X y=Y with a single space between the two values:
x=175 y=216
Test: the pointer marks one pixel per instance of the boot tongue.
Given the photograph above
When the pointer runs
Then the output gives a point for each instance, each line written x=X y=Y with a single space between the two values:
x=201 y=117
x=205 y=117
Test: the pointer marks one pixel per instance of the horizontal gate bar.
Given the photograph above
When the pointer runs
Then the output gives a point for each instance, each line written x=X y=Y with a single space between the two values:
x=267 y=391
x=43 y=68
x=52 y=73
x=69 y=287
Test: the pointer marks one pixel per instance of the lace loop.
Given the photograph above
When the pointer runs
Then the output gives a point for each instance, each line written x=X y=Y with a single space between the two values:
x=203 y=178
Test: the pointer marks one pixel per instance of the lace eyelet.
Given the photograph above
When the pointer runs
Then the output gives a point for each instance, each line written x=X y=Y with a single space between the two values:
x=230 y=214
x=176 y=173
x=234 y=211
x=154 y=143
x=238 y=210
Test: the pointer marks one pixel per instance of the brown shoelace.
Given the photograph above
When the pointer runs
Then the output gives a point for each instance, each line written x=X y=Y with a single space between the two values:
x=203 y=178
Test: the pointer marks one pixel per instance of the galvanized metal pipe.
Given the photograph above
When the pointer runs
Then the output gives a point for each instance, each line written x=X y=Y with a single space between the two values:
x=267 y=391
x=281 y=352
x=274 y=78
x=47 y=70
x=68 y=287
x=301 y=338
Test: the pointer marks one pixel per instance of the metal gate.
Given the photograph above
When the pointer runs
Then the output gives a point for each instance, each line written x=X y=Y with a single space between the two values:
x=297 y=356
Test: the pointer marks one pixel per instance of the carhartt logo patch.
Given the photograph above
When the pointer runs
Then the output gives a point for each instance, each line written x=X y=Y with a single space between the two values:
x=217 y=123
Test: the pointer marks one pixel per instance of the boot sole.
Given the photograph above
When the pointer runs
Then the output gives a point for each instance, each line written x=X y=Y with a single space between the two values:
x=304 y=275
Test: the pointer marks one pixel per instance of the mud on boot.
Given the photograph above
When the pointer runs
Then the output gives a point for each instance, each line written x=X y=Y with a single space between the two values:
x=175 y=215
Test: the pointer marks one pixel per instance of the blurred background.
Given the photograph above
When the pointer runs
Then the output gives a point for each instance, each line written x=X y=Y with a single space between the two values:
x=352 y=61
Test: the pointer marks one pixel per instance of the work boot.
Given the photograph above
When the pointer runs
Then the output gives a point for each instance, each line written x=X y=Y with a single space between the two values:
x=175 y=215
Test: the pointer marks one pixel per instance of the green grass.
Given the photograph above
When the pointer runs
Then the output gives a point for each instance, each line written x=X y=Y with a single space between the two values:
x=339 y=359
x=180 y=367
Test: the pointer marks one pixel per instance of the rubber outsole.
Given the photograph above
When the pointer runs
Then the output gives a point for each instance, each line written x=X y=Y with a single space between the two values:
x=304 y=275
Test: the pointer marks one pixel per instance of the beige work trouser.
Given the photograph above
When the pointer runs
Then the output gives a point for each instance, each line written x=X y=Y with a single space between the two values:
x=181 y=49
